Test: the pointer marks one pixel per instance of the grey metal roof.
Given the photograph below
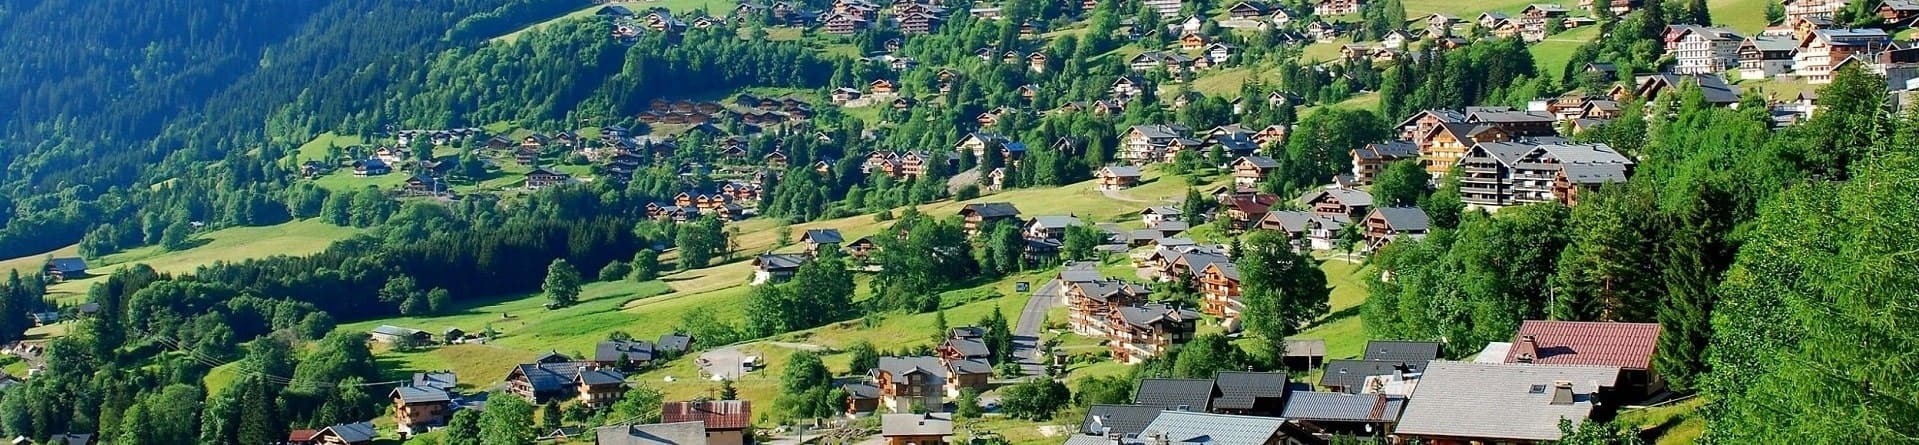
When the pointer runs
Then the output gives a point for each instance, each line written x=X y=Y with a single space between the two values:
x=67 y=264
x=1147 y=315
x=353 y=432
x=444 y=381
x=1594 y=173
x=1055 y=221
x=394 y=330
x=861 y=391
x=1241 y=390
x=1401 y=351
x=1499 y=400
x=1405 y=218
x=1161 y=131
x=1349 y=197
x=1290 y=220
x=677 y=433
x=1195 y=394
x=1582 y=154
x=780 y=261
x=1505 y=152
x=1306 y=347
x=1388 y=150
x=968 y=347
x=929 y=424
x=1172 y=226
x=1214 y=429
x=900 y=366
x=1121 y=419
x=823 y=236
x=1257 y=161
x=1161 y=210
x=415 y=394
x=1343 y=407
x=1124 y=171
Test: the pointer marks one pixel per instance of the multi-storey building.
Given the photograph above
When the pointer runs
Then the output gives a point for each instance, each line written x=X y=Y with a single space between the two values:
x=1702 y=50
x=1822 y=50
x=1497 y=175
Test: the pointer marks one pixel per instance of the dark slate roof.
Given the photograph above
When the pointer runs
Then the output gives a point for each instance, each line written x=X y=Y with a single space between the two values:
x=900 y=366
x=1153 y=313
x=1123 y=171
x=67 y=264
x=1401 y=351
x=823 y=236
x=1195 y=394
x=1122 y=419
x=1258 y=161
x=1343 y=407
x=612 y=350
x=394 y=330
x=969 y=348
x=1389 y=149
x=602 y=376
x=861 y=390
x=1350 y=374
x=545 y=377
x=780 y=261
x=353 y=432
x=1594 y=173
x=991 y=209
x=1405 y=218
x=1239 y=390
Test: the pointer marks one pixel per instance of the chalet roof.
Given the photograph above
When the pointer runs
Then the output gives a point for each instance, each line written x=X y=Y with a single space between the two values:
x=1054 y=221
x=352 y=432
x=1150 y=314
x=1117 y=419
x=968 y=347
x=1442 y=114
x=780 y=261
x=414 y=394
x=1161 y=210
x=1505 y=152
x=1623 y=345
x=1119 y=171
x=1215 y=429
x=1172 y=226
x=718 y=414
x=614 y=350
x=1507 y=116
x=1194 y=394
x=861 y=391
x=677 y=433
x=1497 y=400
x=1080 y=272
x=1401 y=351
x=1289 y=220
x=823 y=236
x=1387 y=150
x=1349 y=197
x=1351 y=374
x=1261 y=162
x=1343 y=407
x=900 y=366
x=443 y=381
x=929 y=424
x=1711 y=86
x=1102 y=290
x=1240 y=390
x=1581 y=154
x=1161 y=131
x=1592 y=174
x=1404 y=218
x=67 y=264
x=991 y=209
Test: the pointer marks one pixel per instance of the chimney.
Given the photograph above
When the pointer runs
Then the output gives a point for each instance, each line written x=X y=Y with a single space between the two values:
x=1528 y=349
x=1562 y=392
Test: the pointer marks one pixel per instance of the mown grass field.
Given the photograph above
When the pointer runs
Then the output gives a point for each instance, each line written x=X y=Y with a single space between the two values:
x=316 y=149
x=1467 y=10
x=36 y=262
x=1746 y=16
x=231 y=244
x=1552 y=54
x=1675 y=424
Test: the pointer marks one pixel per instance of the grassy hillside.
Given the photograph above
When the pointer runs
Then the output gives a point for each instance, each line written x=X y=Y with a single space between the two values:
x=1747 y=16
x=231 y=244
x=36 y=262
x=1552 y=54
x=715 y=7
x=1462 y=9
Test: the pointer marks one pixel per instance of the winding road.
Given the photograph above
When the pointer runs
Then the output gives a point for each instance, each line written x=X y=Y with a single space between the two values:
x=1026 y=333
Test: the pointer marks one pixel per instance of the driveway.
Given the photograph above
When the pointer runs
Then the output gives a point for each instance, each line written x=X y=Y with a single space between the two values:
x=727 y=363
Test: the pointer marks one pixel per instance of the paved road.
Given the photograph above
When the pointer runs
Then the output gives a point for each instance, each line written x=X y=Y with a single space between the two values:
x=1026 y=333
x=727 y=363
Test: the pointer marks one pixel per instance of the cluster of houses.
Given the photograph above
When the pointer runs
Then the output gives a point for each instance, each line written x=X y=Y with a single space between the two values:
x=1121 y=313
x=1808 y=47
x=1510 y=392
x=1157 y=143
x=922 y=383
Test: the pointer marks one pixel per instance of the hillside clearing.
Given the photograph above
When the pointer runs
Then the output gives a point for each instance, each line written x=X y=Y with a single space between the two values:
x=677 y=6
x=232 y=244
x=1552 y=55
x=1745 y=16
x=36 y=262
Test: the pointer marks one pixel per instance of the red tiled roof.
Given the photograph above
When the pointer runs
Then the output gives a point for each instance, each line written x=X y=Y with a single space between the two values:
x=1626 y=345
x=302 y=435
x=718 y=414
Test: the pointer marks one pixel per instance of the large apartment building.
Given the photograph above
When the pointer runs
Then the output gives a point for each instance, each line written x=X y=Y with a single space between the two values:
x=1822 y=50
x=1502 y=174
x=1703 y=50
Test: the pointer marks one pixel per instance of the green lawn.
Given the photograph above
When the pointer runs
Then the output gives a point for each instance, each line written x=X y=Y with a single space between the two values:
x=36 y=262
x=1552 y=54
x=1674 y=424
x=524 y=323
x=1222 y=82
x=1324 y=51
x=231 y=244
x=1467 y=10
x=316 y=149
x=1746 y=16
x=1783 y=89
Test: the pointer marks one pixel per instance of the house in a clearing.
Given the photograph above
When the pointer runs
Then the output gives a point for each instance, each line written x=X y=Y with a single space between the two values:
x=916 y=429
x=817 y=240
x=1386 y=224
x=1219 y=290
x=726 y=421
x=396 y=334
x=1050 y=227
x=542 y=177
x=908 y=381
x=1250 y=170
x=65 y=268
x=1629 y=347
x=1373 y=158
x=1465 y=402
x=417 y=409
x=1154 y=215
x=370 y=167
x=1115 y=177
x=585 y=382
x=623 y=354
x=1338 y=202
x=860 y=248
x=1092 y=302
x=978 y=215
x=777 y=267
